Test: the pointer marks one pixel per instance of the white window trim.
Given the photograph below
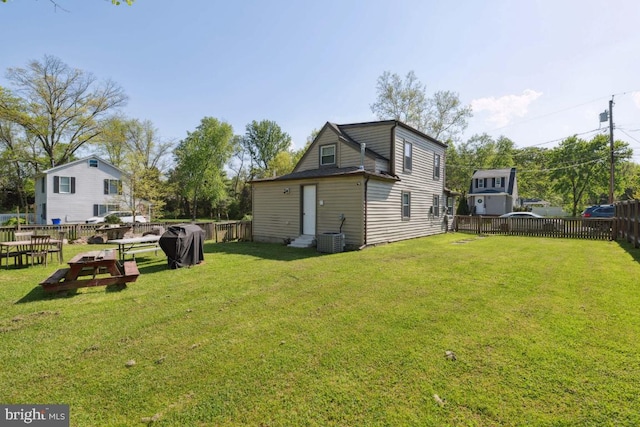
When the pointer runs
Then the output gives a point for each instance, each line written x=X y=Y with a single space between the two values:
x=322 y=155
x=67 y=185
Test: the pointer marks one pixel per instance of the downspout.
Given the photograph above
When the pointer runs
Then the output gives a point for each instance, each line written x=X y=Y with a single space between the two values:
x=366 y=186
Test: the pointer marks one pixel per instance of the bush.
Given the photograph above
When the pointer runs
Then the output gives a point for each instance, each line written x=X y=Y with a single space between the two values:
x=14 y=221
x=112 y=219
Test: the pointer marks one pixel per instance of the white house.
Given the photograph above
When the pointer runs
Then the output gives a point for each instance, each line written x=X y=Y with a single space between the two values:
x=78 y=190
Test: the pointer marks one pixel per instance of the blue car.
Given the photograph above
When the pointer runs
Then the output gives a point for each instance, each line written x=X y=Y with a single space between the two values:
x=599 y=211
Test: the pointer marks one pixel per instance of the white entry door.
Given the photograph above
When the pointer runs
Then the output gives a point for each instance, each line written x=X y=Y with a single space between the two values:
x=309 y=210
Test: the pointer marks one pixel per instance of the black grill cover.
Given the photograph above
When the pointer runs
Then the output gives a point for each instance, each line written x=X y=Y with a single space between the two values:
x=183 y=245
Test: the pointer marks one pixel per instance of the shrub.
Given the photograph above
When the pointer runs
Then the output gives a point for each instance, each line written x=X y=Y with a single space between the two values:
x=112 y=219
x=14 y=221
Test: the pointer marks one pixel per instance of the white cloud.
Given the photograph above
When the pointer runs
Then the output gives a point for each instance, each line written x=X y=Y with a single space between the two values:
x=636 y=98
x=502 y=110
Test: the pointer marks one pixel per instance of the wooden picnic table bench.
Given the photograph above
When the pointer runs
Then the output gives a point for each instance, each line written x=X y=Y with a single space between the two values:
x=102 y=266
x=137 y=245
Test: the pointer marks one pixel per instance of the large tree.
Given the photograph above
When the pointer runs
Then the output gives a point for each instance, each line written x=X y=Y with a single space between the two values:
x=442 y=116
x=60 y=107
x=263 y=141
x=200 y=160
x=580 y=169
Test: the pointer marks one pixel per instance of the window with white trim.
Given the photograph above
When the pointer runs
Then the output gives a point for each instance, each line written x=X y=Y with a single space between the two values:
x=328 y=155
x=406 y=205
x=436 y=166
x=436 y=205
x=112 y=186
x=64 y=184
x=408 y=154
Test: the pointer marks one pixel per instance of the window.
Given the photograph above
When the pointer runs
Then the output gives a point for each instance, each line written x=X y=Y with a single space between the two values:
x=327 y=155
x=406 y=205
x=112 y=186
x=407 y=156
x=450 y=205
x=480 y=183
x=436 y=166
x=436 y=205
x=498 y=182
x=93 y=163
x=64 y=184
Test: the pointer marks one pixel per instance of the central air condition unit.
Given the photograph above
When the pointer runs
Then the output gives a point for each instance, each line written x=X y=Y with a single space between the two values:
x=331 y=243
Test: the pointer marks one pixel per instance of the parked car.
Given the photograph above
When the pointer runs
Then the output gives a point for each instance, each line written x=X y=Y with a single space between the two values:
x=529 y=221
x=599 y=211
x=125 y=217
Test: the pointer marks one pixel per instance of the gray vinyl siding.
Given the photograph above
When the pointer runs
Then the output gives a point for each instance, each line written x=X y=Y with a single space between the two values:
x=276 y=215
x=350 y=156
x=384 y=200
x=89 y=190
x=311 y=160
x=377 y=137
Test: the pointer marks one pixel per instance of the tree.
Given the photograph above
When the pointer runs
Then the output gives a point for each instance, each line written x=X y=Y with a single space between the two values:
x=441 y=116
x=263 y=141
x=200 y=160
x=59 y=107
x=580 y=168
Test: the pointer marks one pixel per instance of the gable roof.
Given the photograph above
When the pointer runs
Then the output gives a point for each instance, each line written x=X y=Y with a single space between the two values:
x=84 y=159
x=491 y=173
x=396 y=123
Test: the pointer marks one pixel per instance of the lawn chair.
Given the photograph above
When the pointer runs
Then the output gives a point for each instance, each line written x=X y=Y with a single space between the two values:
x=39 y=248
x=57 y=248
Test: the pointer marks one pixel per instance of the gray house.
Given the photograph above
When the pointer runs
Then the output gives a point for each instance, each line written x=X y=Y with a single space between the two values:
x=376 y=182
x=78 y=190
x=493 y=191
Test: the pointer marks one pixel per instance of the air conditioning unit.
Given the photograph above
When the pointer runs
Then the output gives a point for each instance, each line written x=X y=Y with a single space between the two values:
x=331 y=243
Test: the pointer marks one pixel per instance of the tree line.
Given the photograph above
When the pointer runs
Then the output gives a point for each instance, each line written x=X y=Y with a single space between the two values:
x=52 y=114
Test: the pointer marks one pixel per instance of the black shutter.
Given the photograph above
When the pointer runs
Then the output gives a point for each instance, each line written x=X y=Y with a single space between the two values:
x=56 y=184
x=106 y=186
x=95 y=210
x=494 y=182
x=485 y=183
x=73 y=184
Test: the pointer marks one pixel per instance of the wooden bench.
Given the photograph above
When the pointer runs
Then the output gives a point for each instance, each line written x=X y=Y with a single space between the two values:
x=56 y=277
x=131 y=269
x=152 y=248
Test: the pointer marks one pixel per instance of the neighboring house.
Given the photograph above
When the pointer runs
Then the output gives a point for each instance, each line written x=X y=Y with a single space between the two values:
x=78 y=190
x=493 y=191
x=376 y=182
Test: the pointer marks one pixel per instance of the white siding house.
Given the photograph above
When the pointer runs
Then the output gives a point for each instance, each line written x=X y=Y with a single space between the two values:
x=77 y=190
x=376 y=182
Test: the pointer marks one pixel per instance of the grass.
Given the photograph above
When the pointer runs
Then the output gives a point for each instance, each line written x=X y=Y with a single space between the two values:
x=545 y=332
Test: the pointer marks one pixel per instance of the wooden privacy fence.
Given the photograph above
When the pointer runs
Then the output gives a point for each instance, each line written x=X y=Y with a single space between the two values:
x=627 y=219
x=576 y=228
x=217 y=231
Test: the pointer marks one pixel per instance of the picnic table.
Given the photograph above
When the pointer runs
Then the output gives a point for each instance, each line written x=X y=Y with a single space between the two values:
x=16 y=248
x=135 y=245
x=102 y=266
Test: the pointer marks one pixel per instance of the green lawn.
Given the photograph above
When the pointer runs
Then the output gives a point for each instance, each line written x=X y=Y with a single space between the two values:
x=546 y=332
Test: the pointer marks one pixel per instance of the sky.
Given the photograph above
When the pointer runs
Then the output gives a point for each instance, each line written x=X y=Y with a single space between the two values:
x=533 y=71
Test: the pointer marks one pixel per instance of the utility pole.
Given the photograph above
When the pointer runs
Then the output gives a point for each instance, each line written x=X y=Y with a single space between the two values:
x=611 y=178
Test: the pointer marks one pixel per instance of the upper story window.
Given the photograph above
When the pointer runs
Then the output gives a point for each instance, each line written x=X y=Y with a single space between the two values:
x=408 y=148
x=480 y=183
x=112 y=186
x=498 y=182
x=64 y=184
x=93 y=163
x=327 y=155
x=436 y=166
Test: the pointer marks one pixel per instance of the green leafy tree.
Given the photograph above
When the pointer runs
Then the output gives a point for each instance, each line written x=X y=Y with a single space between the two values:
x=580 y=169
x=442 y=116
x=200 y=160
x=263 y=141
x=60 y=107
